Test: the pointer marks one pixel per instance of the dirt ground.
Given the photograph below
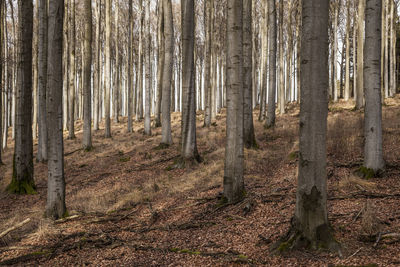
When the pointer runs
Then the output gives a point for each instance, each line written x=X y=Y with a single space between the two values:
x=129 y=206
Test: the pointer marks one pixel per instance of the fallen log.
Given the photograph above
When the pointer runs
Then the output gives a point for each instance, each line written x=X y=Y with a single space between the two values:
x=4 y=233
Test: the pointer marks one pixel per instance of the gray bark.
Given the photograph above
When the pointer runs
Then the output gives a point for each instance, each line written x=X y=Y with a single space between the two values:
x=373 y=154
x=107 y=74
x=55 y=207
x=234 y=150
x=116 y=88
x=96 y=74
x=130 y=67
x=359 y=92
x=160 y=58
x=72 y=72
x=207 y=73
x=147 y=115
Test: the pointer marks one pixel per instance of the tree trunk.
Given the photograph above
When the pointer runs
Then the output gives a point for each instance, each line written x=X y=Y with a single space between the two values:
x=234 y=163
x=167 y=49
x=66 y=69
x=360 y=55
x=130 y=67
x=35 y=55
x=107 y=74
x=42 y=142
x=96 y=74
x=393 y=38
x=55 y=207
x=264 y=61
x=337 y=5
x=298 y=47
x=270 y=122
x=249 y=137
x=87 y=88
x=139 y=113
x=207 y=51
x=2 y=38
x=147 y=50
x=281 y=95
x=22 y=180
x=116 y=89
x=310 y=226
x=72 y=72
x=347 y=78
x=189 y=143
x=160 y=58
x=373 y=152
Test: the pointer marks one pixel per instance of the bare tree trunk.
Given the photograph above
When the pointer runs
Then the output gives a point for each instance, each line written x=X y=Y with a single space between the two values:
x=347 y=78
x=373 y=152
x=289 y=56
x=55 y=207
x=298 y=47
x=147 y=50
x=116 y=89
x=139 y=114
x=97 y=72
x=87 y=88
x=35 y=73
x=337 y=5
x=360 y=55
x=270 y=122
x=2 y=38
x=72 y=73
x=43 y=30
x=264 y=60
x=66 y=48
x=107 y=86
x=160 y=58
x=22 y=180
x=234 y=163
x=130 y=68
x=281 y=95
x=207 y=75
x=393 y=38
x=249 y=137
x=167 y=49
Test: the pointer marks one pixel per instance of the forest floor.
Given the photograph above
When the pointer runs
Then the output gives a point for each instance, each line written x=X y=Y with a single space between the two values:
x=129 y=206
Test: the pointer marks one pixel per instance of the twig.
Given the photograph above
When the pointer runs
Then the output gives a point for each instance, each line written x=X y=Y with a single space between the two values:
x=67 y=219
x=378 y=239
x=355 y=253
x=72 y=152
x=14 y=227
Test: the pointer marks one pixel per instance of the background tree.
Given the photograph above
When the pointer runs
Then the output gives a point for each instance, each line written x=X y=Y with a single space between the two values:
x=1 y=71
x=160 y=58
x=359 y=91
x=372 y=85
x=233 y=174
x=72 y=71
x=208 y=8
x=55 y=207
x=130 y=67
x=22 y=180
x=107 y=74
x=147 y=51
x=270 y=122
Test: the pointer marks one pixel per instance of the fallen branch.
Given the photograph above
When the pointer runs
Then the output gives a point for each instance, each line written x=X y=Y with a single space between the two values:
x=72 y=152
x=67 y=219
x=4 y=233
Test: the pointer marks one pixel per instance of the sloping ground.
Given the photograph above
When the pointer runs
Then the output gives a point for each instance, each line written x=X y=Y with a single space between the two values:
x=135 y=209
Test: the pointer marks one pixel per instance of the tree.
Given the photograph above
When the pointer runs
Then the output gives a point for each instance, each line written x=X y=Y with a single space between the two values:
x=359 y=91
x=189 y=143
x=373 y=155
x=22 y=180
x=147 y=50
x=310 y=226
x=72 y=72
x=270 y=122
x=87 y=88
x=208 y=9
x=167 y=69
x=336 y=5
x=233 y=174
x=97 y=66
x=281 y=94
x=249 y=138
x=347 y=78
x=42 y=72
x=160 y=51
x=2 y=3
x=107 y=87
x=55 y=207
x=130 y=66
x=117 y=78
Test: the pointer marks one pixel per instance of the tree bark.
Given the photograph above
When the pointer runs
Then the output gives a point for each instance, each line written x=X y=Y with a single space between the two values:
x=281 y=95
x=107 y=74
x=147 y=50
x=42 y=67
x=160 y=58
x=373 y=152
x=87 y=88
x=207 y=74
x=72 y=72
x=167 y=38
x=130 y=67
x=270 y=122
x=234 y=163
x=96 y=74
x=116 y=89
x=360 y=55
x=347 y=75
x=22 y=180
x=55 y=207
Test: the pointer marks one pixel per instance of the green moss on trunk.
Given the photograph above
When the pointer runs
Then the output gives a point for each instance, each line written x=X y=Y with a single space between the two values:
x=24 y=185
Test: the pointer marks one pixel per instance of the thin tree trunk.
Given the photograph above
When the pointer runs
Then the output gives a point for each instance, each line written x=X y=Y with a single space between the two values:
x=393 y=38
x=130 y=68
x=207 y=75
x=360 y=55
x=87 y=88
x=264 y=60
x=55 y=207
x=167 y=49
x=116 y=89
x=160 y=58
x=72 y=73
x=270 y=122
x=97 y=72
x=147 y=50
x=347 y=78
x=66 y=48
x=107 y=74
x=35 y=73
x=281 y=95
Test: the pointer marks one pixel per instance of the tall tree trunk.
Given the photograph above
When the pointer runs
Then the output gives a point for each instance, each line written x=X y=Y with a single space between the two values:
x=289 y=55
x=355 y=51
x=189 y=142
x=15 y=78
x=96 y=74
x=249 y=137
x=116 y=89
x=310 y=226
x=387 y=31
x=208 y=8
x=264 y=59
x=42 y=142
x=393 y=37
x=270 y=122
x=281 y=95
x=107 y=74
x=139 y=114
x=347 y=78
x=360 y=55
x=234 y=163
x=55 y=207
x=373 y=152
x=22 y=180
x=87 y=88
x=72 y=72
x=337 y=5
x=160 y=58
x=2 y=38
x=66 y=69
x=298 y=47
x=130 y=68
x=167 y=49
x=147 y=115
x=35 y=55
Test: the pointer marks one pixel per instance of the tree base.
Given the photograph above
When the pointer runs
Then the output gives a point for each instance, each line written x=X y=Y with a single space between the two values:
x=183 y=163
x=162 y=146
x=295 y=239
x=24 y=187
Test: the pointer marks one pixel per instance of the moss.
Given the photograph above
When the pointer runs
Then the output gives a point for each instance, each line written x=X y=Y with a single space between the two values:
x=23 y=187
x=366 y=173
x=66 y=214
x=174 y=249
x=242 y=257
x=88 y=148
x=124 y=159
x=294 y=155
x=162 y=146
x=184 y=250
x=38 y=253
